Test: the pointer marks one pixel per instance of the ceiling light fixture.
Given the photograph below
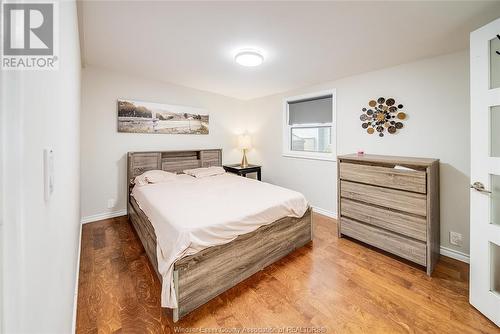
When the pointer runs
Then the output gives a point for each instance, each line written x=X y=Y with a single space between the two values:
x=249 y=58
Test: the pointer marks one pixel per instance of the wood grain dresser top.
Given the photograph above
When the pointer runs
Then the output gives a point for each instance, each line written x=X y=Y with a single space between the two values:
x=389 y=159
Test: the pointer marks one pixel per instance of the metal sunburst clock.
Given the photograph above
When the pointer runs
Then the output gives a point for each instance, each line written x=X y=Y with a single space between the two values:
x=381 y=115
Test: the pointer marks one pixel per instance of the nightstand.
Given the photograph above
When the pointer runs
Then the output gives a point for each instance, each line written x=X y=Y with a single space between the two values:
x=243 y=171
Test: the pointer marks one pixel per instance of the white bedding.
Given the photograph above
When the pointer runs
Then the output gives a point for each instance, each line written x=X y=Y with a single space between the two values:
x=190 y=214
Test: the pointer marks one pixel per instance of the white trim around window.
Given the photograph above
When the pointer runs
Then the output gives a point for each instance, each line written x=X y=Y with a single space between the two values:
x=287 y=128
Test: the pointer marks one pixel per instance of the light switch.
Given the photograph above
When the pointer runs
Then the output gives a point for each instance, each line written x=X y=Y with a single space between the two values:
x=48 y=173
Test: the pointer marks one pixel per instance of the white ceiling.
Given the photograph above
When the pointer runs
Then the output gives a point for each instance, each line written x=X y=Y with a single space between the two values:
x=193 y=43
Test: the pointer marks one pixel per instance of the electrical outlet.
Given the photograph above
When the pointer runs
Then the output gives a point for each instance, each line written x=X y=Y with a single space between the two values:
x=111 y=203
x=456 y=238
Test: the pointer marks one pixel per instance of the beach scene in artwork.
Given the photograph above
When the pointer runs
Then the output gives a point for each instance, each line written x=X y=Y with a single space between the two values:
x=148 y=117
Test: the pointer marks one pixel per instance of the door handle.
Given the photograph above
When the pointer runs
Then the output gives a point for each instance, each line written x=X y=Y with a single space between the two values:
x=480 y=187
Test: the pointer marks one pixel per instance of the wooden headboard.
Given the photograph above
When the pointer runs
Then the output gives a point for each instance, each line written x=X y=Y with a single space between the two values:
x=171 y=161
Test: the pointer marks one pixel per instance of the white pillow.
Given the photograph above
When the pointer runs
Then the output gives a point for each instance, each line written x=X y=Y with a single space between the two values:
x=140 y=180
x=153 y=176
x=158 y=176
x=204 y=172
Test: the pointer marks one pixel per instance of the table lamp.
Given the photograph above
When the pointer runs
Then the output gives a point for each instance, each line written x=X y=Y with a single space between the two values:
x=244 y=143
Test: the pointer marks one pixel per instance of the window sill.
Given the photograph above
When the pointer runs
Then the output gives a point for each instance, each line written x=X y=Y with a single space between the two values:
x=309 y=157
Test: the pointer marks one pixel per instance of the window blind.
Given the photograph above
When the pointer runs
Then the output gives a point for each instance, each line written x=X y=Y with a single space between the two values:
x=310 y=111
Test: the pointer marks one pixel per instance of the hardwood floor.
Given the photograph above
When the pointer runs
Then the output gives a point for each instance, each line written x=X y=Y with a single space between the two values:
x=332 y=285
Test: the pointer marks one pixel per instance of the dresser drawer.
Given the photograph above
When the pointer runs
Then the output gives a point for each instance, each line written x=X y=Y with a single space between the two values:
x=408 y=225
x=404 y=247
x=388 y=198
x=384 y=176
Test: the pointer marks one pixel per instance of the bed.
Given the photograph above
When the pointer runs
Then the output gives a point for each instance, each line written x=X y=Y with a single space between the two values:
x=201 y=273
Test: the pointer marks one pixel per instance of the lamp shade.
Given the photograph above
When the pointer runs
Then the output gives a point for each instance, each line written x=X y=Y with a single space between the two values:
x=244 y=142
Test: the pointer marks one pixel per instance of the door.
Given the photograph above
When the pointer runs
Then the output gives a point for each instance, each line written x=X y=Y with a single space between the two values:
x=485 y=171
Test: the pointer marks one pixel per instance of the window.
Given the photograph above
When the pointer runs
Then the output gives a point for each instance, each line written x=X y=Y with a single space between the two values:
x=309 y=130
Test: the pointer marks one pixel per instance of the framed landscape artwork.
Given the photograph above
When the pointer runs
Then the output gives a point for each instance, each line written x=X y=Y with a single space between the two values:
x=148 y=117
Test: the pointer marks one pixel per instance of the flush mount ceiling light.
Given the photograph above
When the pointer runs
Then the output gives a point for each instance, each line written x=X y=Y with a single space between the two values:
x=249 y=58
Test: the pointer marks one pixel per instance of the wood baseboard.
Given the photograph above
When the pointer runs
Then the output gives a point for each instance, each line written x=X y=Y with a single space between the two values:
x=454 y=254
x=102 y=216
x=329 y=214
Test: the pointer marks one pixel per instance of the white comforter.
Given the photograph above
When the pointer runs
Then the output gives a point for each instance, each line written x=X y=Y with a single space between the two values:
x=190 y=214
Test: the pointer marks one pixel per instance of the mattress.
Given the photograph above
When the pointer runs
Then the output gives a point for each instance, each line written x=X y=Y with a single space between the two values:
x=190 y=214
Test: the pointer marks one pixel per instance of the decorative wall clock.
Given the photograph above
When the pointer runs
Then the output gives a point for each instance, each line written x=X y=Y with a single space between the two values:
x=382 y=115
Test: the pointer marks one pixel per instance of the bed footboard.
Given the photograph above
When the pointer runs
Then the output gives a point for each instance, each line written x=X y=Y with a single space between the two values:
x=201 y=277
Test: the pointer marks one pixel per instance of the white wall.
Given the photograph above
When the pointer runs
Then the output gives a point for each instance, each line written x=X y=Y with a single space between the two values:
x=40 y=240
x=103 y=159
x=435 y=93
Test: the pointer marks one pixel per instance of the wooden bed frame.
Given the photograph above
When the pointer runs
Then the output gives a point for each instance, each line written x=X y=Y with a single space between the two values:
x=200 y=277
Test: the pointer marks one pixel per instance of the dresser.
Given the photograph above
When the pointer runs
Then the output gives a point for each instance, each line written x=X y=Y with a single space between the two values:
x=391 y=203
